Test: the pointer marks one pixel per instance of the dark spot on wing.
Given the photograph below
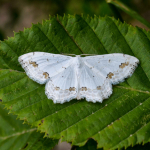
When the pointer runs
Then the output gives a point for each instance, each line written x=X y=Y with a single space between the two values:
x=57 y=88
x=84 y=89
x=72 y=89
x=98 y=87
x=46 y=75
x=110 y=75
x=123 y=65
x=33 y=63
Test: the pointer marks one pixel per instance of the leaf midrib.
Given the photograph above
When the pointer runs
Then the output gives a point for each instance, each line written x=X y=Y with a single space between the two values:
x=18 y=133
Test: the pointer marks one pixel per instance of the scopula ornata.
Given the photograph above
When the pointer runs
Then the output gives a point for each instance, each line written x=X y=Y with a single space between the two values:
x=68 y=78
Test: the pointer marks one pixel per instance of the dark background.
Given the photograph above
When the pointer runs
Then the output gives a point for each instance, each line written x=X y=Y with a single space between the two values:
x=16 y=15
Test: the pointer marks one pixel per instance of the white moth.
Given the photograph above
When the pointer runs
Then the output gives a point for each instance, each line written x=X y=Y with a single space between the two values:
x=68 y=78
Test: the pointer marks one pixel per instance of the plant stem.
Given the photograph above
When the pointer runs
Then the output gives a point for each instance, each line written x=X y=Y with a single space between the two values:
x=116 y=12
x=129 y=11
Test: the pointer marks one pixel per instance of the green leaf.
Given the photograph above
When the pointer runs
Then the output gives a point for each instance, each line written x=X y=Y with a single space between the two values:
x=16 y=136
x=120 y=121
x=129 y=11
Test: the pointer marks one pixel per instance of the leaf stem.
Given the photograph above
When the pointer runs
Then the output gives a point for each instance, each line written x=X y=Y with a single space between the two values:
x=115 y=11
x=129 y=11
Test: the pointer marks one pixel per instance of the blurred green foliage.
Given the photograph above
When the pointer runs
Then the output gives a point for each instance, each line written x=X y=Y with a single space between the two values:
x=15 y=15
